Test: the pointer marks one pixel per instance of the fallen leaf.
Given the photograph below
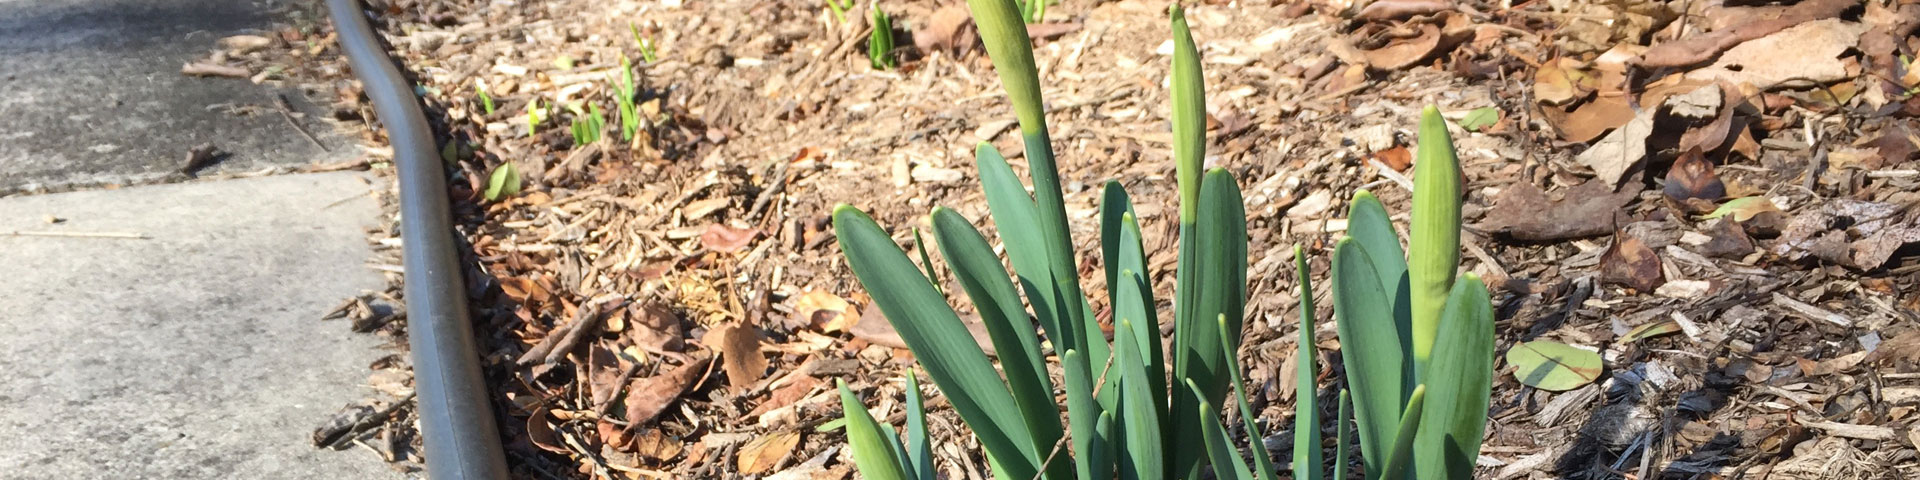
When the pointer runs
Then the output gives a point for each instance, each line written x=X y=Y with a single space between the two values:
x=1589 y=120
x=1554 y=366
x=1400 y=9
x=540 y=431
x=648 y=397
x=1742 y=209
x=1560 y=81
x=1619 y=151
x=1853 y=233
x=1691 y=183
x=603 y=374
x=203 y=69
x=825 y=311
x=721 y=237
x=655 y=325
x=656 y=445
x=765 y=452
x=1479 y=118
x=1650 y=330
x=1523 y=212
x=740 y=354
x=1405 y=52
x=1894 y=144
x=1808 y=52
x=1397 y=158
x=1696 y=49
x=797 y=386
x=1631 y=264
x=946 y=31
x=1728 y=240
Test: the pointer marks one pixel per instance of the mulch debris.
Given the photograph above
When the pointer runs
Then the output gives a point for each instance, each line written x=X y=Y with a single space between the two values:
x=1713 y=196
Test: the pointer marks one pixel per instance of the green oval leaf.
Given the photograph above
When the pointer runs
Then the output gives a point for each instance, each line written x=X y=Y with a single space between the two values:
x=505 y=182
x=1550 y=365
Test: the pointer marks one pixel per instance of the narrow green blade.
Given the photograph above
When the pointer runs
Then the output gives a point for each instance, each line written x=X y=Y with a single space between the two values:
x=1306 y=411
x=1014 y=215
x=1189 y=114
x=1226 y=460
x=1460 y=381
x=1144 y=455
x=1342 y=456
x=871 y=453
x=1370 y=345
x=986 y=283
x=1189 y=150
x=919 y=444
x=1435 y=246
x=1262 y=458
x=1091 y=444
x=935 y=335
x=1397 y=463
x=920 y=245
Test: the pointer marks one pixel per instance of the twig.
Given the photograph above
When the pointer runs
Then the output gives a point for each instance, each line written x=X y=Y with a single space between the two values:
x=38 y=233
x=286 y=112
x=760 y=202
x=332 y=437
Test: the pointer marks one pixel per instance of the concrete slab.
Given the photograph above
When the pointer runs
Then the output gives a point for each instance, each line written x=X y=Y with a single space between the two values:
x=196 y=353
x=91 y=93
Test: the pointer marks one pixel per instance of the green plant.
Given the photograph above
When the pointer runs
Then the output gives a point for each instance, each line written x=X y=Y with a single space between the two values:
x=587 y=125
x=880 y=42
x=877 y=451
x=624 y=90
x=504 y=182
x=1032 y=11
x=647 y=51
x=536 y=115
x=486 y=101
x=1123 y=416
x=1134 y=411
x=1433 y=336
x=839 y=9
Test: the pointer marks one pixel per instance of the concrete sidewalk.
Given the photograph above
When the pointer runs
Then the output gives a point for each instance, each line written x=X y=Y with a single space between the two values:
x=195 y=353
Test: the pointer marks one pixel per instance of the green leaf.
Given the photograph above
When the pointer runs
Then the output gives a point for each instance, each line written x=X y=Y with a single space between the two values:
x=979 y=272
x=1304 y=417
x=1342 y=456
x=504 y=182
x=1434 y=254
x=872 y=453
x=940 y=341
x=1555 y=366
x=1143 y=458
x=919 y=446
x=1459 y=382
x=1742 y=209
x=880 y=41
x=1397 y=463
x=1227 y=463
x=920 y=245
x=1306 y=409
x=1377 y=366
x=1369 y=224
x=1219 y=275
x=1479 y=118
x=1092 y=427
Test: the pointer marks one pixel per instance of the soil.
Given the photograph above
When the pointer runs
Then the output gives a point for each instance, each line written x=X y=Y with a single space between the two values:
x=1734 y=244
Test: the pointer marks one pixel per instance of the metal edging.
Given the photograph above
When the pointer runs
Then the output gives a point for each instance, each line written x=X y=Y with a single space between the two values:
x=456 y=420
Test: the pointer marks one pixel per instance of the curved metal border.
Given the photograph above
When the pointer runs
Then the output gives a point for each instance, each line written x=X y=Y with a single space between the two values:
x=456 y=420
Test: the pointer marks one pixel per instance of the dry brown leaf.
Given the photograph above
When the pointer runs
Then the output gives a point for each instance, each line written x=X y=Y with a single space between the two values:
x=1620 y=151
x=1523 y=212
x=1631 y=264
x=1696 y=49
x=1849 y=232
x=1560 y=81
x=1808 y=52
x=1405 y=52
x=1397 y=158
x=655 y=326
x=1590 y=119
x=740 y=354
x=203 y=69
x=796 y=387
x=763 y=453
x=947 y=31
x=648 y=397
x=1400 y=9
x=1692 y=185
x=825 y=311
x=540 y=431
x=720 y=237
x=238 y=44
x=656 y=445
x=604 y=369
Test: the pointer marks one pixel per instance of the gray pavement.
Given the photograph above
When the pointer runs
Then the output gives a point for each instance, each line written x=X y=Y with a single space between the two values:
x=91 y=93
x=195 y=353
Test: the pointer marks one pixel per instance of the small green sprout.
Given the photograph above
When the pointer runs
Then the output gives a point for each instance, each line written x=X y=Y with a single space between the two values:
x=536 y=115
x=486 y=101
x=647 y=51
x=587 y=125
x=880 y=42
x=839 y=9
x=624 y=91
